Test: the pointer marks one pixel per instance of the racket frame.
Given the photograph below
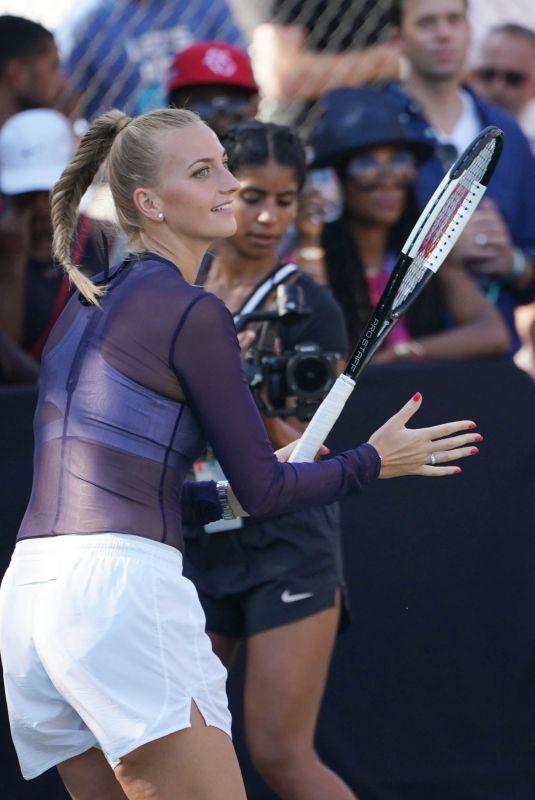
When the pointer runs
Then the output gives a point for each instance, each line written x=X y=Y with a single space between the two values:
x=383 y=317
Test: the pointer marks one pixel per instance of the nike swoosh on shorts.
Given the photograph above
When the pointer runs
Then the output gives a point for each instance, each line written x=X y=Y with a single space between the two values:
x=286 y=597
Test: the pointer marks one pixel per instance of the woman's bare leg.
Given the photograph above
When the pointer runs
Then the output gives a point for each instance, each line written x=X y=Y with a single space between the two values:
x=225 y=647
x=89 y=776
x=197 y=763
x=285 y=679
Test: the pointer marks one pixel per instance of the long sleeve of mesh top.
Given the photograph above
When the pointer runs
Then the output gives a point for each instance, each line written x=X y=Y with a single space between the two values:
x=206 y=358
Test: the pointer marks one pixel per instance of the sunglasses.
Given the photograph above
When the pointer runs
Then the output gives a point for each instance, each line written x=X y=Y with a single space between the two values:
x=221 y=105
x=367 y=171
x=511 y=77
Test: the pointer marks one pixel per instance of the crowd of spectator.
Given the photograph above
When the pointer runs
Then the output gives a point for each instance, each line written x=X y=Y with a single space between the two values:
x=186 y=54
x=382 y=95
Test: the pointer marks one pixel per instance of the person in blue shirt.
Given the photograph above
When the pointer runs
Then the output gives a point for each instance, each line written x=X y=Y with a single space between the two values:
x=117 y=52
x=498 y=246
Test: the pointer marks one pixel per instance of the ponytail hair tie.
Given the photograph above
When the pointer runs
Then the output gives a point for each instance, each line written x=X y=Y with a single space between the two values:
x=122 y=124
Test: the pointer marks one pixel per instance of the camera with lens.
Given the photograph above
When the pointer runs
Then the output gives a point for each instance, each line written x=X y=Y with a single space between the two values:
x=304 y=374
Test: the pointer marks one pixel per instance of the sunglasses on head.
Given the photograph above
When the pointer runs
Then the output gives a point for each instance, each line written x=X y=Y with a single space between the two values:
x=511 y=77
x=367 y=171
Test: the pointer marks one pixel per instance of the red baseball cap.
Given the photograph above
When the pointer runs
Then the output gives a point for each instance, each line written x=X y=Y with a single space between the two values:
x=211 y=63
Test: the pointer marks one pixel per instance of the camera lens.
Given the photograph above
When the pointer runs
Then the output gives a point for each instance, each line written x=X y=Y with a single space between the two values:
x=310 y=374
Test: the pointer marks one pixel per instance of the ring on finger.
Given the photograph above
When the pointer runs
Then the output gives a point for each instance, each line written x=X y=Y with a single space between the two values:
x=432 y=459
x=481 y=240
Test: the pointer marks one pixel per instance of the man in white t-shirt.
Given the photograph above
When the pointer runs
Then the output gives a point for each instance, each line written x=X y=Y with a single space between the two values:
x=498 y=245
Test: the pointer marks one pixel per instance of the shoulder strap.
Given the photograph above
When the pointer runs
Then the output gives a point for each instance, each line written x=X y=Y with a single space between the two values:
x=262 y=291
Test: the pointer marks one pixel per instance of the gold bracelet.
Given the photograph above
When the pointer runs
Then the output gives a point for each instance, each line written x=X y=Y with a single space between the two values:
x=311 y=253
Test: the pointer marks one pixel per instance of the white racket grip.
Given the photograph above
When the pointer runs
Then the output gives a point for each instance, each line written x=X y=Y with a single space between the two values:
x=323 y=420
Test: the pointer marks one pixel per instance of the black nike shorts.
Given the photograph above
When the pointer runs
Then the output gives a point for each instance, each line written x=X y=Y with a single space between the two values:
x=270 y=572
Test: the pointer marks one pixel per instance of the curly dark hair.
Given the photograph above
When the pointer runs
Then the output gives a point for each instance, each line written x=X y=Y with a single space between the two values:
x=254 y=143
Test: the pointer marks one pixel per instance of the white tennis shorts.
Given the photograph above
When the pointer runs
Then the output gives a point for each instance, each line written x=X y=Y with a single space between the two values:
x=103 y=645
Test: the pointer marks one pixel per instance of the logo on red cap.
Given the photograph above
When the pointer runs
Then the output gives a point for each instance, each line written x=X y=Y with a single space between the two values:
x=220 y=62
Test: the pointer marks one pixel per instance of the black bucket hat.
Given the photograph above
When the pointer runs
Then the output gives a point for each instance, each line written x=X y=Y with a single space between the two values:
x=353 y=119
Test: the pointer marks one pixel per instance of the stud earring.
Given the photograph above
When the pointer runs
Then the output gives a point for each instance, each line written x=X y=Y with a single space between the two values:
x=160 y=215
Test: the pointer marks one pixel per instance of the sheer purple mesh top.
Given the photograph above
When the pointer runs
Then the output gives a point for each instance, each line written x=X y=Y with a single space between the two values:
x=129 y=395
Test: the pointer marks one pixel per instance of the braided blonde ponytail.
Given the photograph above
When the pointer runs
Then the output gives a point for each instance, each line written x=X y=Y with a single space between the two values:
x=132 y=160
x=76 y=178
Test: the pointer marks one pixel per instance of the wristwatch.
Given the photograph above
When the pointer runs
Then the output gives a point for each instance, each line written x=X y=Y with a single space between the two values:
x=222 y=494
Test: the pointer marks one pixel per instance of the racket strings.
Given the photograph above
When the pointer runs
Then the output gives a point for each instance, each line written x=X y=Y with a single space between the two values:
x=478 y=168
x=431 y=242
x=444 y=229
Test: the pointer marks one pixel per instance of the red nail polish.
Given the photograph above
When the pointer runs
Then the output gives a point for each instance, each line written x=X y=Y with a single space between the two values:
x=474 y=451
x=417 y=397
x=472 y=425
x=458 y=471
x=478 y=438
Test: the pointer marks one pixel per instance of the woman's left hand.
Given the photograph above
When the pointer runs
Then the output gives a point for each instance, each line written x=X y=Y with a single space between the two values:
x=422 y=451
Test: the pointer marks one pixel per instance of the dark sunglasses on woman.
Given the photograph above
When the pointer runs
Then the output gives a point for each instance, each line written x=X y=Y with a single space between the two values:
x=367 y=171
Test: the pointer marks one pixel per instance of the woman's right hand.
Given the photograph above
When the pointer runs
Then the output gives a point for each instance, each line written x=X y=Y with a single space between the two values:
x=422 y=451
x=246 y=339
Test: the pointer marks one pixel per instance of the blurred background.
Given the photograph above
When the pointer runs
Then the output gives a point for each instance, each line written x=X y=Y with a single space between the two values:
x=484 y=13
x=61 y=17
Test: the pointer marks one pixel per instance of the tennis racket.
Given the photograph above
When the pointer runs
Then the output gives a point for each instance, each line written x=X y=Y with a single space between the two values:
x=436 y=231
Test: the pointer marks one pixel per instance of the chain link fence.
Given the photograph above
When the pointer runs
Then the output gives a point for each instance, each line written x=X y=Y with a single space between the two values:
x=484 y=13
x=125 y=63
x=331 y=32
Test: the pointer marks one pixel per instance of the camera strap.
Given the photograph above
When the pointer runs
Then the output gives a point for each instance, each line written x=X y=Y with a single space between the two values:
x=263 y=291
